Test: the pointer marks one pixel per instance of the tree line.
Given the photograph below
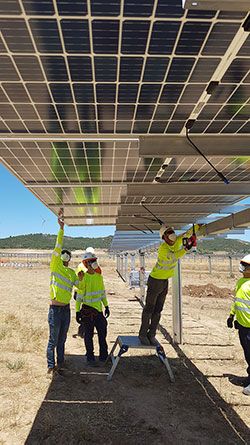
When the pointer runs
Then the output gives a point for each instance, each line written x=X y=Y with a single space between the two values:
x=43 y=241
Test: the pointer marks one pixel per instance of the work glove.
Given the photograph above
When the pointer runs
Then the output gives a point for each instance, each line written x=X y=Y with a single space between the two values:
x=78 y=317
x=230 y=321
x=190 y=242
x=107 y=312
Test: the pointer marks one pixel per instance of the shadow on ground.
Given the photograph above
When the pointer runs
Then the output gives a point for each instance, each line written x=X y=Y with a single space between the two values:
x=139 y=406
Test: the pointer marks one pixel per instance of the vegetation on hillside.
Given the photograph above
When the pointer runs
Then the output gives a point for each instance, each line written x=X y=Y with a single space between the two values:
x=231 y=246
x=42 y=241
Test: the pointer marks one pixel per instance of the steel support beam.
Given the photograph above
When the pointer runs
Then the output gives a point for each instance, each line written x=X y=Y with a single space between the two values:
x=234 y=221
x=217 y=5
x=53 y=184
x=141 y=227
x=211 y=145
x=166 y=209
x=140 y=221
x=74 y=204
x=189 y=189
x=52 y=137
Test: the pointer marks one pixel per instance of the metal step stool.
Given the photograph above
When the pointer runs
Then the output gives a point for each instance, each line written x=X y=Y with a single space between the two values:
x=131 y=341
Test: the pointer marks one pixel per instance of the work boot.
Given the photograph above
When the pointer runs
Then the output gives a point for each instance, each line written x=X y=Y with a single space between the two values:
x=246 y=390
x=51 y=372
x=145 y=322
x=153 y=341
x=144 y=340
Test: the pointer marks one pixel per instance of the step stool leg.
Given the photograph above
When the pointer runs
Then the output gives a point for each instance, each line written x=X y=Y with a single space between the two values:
x=111 y=354
x=162 y=356
x=123 y=349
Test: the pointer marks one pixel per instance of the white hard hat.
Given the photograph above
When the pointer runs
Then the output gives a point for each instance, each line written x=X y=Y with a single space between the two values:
x=90 y=249
x=164 y=228
x=246 y=259
x=88 y=256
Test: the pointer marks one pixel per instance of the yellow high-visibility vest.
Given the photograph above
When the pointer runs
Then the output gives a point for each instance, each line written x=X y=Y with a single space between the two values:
x=241 y=305
x=91 y=292
x=168 y=257
x=62 y=278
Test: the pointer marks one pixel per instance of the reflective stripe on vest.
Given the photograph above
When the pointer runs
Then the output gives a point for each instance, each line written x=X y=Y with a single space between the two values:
x=61 y=286
x=167 y=264
x=81 y=297
x=92 y=300
x=240 y=300
x=58 y=246
x=61 y=277
x=242 y=309
x=157 y=266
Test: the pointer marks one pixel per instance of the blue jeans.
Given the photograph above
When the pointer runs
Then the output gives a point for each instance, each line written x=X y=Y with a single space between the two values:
x=59 y=320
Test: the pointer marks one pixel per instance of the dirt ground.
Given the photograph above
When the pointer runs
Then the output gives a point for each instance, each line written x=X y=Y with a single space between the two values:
x=139 y=406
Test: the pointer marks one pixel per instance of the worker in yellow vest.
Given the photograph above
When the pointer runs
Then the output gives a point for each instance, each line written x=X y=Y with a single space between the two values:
x=62 y=280
x=83 y=269
x=240 y=309
x=168 y=254
x=90 y=301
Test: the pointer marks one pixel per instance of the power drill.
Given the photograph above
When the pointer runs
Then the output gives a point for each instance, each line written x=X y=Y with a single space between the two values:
x=190 y=242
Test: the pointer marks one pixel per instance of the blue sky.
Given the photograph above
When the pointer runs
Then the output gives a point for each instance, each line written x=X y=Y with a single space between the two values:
x=23 y=213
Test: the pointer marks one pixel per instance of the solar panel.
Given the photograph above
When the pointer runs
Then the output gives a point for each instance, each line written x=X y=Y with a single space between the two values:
x=82 y=81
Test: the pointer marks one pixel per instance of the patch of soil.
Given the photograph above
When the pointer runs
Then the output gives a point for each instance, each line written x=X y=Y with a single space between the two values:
x=207 y=290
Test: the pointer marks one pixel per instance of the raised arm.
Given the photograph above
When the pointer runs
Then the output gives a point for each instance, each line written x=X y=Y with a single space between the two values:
x=59 y=241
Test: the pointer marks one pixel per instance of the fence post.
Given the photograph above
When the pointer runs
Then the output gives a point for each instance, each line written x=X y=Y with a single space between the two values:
x=125 y=275
x=142 y=275
x=132 y=261
x=209 y=264
x=231 y=267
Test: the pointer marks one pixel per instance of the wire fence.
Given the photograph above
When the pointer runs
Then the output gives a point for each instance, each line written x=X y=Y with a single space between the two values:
x=225 y=264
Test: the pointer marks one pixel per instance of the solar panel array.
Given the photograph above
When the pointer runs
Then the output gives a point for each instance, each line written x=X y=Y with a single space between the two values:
x=81 y=80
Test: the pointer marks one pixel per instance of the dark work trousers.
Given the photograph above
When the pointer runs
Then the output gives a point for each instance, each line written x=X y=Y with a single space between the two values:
x=244 y=335
x=155 y=299
x=99 y=322
x=59 y=320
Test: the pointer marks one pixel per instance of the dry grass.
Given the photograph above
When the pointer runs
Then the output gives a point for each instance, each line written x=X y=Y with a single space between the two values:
x=20 y=334
x=23 y=339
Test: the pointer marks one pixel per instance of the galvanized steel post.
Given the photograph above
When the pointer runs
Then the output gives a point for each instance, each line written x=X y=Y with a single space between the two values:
x=177 y=304
x=132 y=259
x=125 y=274
x=230 y=267
x=121 y=264
x=142 y=275
x=209 y=264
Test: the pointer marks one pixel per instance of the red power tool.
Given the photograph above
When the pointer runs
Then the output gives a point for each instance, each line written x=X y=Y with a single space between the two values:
x=190 y=242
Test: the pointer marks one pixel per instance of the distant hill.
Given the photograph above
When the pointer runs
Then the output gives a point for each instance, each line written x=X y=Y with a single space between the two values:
x=231 y=246
x=43 y=241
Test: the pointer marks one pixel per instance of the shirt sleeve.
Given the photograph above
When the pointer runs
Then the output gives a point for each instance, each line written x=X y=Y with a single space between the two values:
x=80 y=294
x=57 y=250
x=232 y=309
x=179 y=249
x=104 y=299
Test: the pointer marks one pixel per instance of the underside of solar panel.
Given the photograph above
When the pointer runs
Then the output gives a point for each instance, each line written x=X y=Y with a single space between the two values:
x=95 y=96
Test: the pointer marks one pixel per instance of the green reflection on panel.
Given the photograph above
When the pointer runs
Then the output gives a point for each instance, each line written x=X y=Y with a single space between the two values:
x=88 y=168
